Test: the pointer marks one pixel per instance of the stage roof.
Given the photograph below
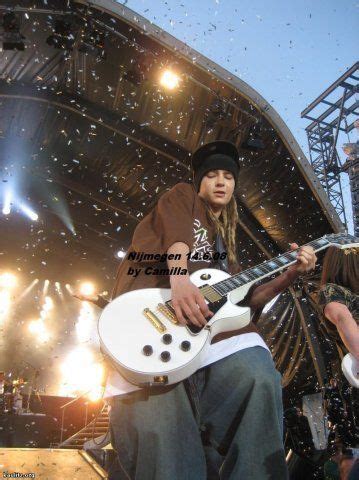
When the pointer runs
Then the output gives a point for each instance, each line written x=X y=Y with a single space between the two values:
x=86 y=144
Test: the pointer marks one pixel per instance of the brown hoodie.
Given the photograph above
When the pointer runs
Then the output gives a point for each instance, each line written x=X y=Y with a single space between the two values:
x=179 y=216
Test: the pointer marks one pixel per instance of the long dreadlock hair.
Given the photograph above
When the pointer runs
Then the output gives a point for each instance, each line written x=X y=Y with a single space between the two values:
x=226 y=225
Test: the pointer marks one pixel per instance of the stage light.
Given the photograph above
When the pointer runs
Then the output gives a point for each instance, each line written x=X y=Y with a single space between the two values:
x=169 y=80
x=43 y=336
x=7 y=203
x=139 y=69
x=49 y=304
x=63 y=37
x=69 y=289
x=134 y=76
x=30 y=213
x=34 y=326
x=85 y=322
x=6 y=209
x=7 y=280
x=87 y=288
x=27 y=290
x=121 y=254
x=92 y=43
x=58 y=288
x=81 y=373
x=12 y=39
x=46 y=287
x=96 y=394
x=254 y=141
x=37 y=327
x=47 y=307
x=5 y=302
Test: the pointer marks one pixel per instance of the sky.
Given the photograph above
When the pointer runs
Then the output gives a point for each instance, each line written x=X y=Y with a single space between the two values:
x=289 y=51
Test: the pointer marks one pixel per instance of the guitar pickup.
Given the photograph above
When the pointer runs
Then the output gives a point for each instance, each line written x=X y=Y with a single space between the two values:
x=156 y=322
x=167 y=313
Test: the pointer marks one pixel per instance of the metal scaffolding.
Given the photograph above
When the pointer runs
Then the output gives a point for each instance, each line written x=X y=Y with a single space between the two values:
x=335 y=112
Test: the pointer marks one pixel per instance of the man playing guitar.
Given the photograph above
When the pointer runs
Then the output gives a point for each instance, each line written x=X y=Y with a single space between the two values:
x=224 y=421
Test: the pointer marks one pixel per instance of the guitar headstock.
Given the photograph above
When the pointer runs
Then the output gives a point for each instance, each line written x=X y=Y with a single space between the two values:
x=343 y=240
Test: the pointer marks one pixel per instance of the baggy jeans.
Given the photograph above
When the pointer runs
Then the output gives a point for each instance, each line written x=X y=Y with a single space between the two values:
x=224 y=422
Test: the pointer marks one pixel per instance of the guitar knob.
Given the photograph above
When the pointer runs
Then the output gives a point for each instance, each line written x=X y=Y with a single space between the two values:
x=167 y=338
x=147 y=350
x=205 y=276
x=165 y=356
x=185 y=345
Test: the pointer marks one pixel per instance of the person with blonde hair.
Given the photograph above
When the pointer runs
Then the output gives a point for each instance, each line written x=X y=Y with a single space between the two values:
x=226 y=420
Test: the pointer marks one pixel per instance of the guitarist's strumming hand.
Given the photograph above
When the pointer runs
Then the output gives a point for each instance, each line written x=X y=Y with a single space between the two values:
x=188 y=302
x=306 y=259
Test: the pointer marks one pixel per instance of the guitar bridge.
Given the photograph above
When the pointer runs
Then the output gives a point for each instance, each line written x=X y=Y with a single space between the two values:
x=156 y=322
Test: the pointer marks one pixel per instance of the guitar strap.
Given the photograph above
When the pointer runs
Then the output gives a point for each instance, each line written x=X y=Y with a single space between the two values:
x=220 y=248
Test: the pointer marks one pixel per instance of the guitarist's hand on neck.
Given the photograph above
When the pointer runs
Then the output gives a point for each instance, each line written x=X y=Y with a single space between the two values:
x=306 y=259
x=187 y=300
x=263 y=294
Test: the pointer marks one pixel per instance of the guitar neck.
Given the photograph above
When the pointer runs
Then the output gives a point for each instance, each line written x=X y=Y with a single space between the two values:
x=271 y=266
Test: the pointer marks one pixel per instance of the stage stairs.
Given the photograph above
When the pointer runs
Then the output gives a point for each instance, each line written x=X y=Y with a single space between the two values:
x=94 y=435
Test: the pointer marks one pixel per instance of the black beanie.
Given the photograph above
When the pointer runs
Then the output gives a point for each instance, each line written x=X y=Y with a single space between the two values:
x=218 y=155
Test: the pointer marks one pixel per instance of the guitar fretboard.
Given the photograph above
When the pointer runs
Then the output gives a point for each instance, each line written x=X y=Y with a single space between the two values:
x=265 y=269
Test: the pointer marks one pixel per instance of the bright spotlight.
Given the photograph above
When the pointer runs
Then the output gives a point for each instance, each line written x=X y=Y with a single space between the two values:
x=7 y=203
x=38 y=328
x=81 y=373
x=49 y=304
x=58 y=288
x=6 y=209
x=12 y=37
x=169 y=80
x=46 y=287
x=69 y=288
x=87 y=288
x=121 y=254
x=85 y=322
x=30 y=213
x=34 y=326
x=28 y=289
x=7 y=280
x=96 y=393
x=5 y=302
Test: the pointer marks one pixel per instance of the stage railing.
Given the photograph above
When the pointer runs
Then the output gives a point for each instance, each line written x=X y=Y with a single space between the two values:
x=63 y=408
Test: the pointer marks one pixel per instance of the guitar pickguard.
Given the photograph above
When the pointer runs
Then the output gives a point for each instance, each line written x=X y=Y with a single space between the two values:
x=214 y=307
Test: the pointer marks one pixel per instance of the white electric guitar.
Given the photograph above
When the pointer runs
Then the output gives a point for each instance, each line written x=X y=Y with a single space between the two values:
x=141 y=337
x=350 y=367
